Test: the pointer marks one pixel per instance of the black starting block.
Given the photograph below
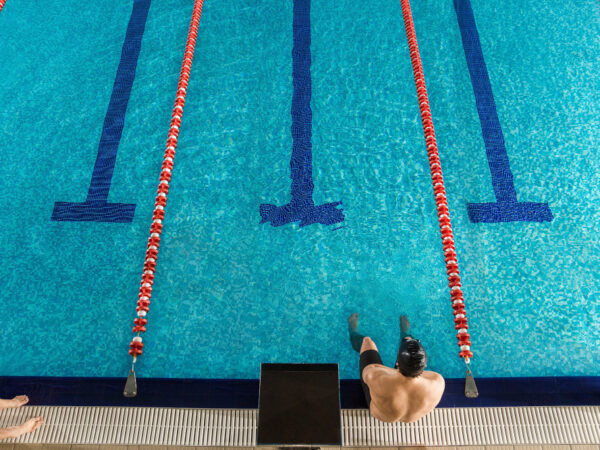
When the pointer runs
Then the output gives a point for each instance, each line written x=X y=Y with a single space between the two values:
x=299 y=405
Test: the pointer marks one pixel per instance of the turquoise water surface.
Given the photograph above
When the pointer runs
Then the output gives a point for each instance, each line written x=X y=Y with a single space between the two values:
x=231 y=292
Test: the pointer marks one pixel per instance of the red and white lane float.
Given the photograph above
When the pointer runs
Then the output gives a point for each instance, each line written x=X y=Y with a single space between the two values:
x=145 y=293
x=136 y=346
x=2 y=2
x=456 y=294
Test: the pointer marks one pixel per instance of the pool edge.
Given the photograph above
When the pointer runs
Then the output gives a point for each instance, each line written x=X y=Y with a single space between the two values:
x=243 y=394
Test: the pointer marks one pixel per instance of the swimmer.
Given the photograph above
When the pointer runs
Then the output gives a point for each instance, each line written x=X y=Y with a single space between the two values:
x=405 y=393
x=27 y=427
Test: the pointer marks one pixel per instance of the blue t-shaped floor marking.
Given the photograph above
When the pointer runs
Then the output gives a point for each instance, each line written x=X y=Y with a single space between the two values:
x=95 y=208
x=506 y=208
x=301 y=207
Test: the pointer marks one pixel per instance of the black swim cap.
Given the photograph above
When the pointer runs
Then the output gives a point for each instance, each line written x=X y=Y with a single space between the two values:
x=412 y=358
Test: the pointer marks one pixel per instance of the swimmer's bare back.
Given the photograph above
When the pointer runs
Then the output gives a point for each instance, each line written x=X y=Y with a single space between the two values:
x=395 y=397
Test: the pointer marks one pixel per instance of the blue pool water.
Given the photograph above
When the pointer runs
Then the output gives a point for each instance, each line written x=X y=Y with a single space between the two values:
x=231 y=292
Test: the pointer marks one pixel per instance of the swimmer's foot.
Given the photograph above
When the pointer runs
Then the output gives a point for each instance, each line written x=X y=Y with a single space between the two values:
x=404 y=324
x=16 y=402
x=20 y=400
x=31 y=425
x=27 y=427
x=353 y=322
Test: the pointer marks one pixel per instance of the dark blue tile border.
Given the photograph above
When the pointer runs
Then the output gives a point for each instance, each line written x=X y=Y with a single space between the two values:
x=192 y=393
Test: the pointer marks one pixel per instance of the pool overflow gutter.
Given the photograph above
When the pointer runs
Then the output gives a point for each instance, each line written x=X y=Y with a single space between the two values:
x=452 y=270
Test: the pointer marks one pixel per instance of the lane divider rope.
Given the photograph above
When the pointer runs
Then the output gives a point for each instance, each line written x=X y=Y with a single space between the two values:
x=136 y=346
x=454 y=282
x=2 y=3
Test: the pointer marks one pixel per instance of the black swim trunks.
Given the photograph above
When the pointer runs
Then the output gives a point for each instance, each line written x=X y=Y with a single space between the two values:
x=368 y=357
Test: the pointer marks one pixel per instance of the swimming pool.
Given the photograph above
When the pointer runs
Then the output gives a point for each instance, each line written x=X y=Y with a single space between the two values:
x=232 y=292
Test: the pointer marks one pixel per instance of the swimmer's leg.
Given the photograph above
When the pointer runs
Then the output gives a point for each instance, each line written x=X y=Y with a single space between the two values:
x=404 y=331
x=368 y=355
x=355 y=337
x=404 y=327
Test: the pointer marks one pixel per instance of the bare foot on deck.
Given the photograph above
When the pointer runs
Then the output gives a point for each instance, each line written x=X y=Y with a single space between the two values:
x=31 y=425
x=27 y=427
x=18 y=401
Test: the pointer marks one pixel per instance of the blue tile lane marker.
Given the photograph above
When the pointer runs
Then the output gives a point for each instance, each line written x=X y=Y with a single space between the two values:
x=301 y=207
x=95 y=208
x=506 y=208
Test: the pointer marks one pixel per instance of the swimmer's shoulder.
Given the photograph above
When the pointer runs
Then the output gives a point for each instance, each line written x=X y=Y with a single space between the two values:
x=434 y=385
x=373 y=371
x=434 y=378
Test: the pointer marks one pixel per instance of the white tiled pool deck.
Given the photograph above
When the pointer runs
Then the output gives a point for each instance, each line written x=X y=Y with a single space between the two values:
x=153 y=447
x=167 y=428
